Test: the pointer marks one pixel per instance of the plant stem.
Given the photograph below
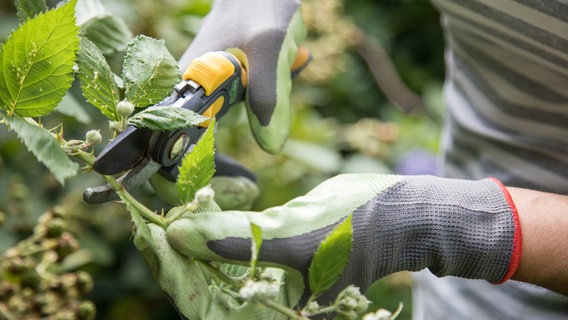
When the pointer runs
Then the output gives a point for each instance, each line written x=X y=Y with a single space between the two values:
x=87 y=158
x=219 y=274
x=282 y=309
x=127 y=197
x=188 y=207
x=327 y=309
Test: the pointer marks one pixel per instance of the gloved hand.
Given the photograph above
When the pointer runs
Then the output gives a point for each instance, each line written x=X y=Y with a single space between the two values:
x=191 y=288
x=462 y=228
x=264 y=35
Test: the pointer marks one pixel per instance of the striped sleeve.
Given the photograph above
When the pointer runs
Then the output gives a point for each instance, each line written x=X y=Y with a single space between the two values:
x=506 y=95
x=507 y=91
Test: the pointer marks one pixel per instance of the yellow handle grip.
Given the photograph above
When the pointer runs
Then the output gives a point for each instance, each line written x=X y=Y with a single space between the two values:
x=210 y=70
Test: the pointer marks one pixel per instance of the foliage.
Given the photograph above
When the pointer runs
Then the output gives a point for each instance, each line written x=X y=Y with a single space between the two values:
x=326 y=115
x=37 y=63
x=150 y=71
x=44 y=147
x=331 y=258
x=97 y=79
x=166 y=118
x=197 y=168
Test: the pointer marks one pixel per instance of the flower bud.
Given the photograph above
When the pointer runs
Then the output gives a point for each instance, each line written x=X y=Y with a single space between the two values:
x=205 y=199
x=259 y=291
x=380 y=314
x=350 y=302
x=205 y=196
x=312 y=307
x=93 y=137
x=124 y=108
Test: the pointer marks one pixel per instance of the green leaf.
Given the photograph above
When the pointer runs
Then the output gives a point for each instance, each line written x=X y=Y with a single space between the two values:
x=255 y=246
x=107 y=31
x=331 y=258
x=36 y=63
x=197 y=167
x=87 y=10
x=28 y=9
x=150 y=71
x=110 y=33
x=165 y=118
x=97 y=80
x=44 y=147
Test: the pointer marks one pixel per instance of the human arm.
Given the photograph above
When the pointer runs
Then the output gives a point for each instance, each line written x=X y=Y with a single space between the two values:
x=544 y=226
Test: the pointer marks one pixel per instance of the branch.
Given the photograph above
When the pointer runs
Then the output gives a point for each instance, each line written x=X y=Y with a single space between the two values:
x=385 y=74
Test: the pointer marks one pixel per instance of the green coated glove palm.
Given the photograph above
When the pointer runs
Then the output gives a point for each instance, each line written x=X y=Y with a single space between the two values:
x=453 y=227
x=264 y=35
x=192 y=288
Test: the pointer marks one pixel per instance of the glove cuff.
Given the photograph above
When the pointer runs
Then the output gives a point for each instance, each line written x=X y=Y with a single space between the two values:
x=517 y=238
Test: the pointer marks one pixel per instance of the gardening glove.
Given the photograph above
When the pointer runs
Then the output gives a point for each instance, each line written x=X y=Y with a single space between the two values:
x=192 y=288
x=452 y=227
x=264 y=35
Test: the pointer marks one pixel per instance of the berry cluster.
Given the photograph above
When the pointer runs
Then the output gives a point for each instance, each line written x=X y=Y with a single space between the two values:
x=34 y=284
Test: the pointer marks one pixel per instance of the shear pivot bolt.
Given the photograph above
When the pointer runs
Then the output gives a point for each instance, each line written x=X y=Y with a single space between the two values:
x=179 y=147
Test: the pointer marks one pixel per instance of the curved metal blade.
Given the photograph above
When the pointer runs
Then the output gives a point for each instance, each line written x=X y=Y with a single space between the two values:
x=135 y=177
x=124 y=152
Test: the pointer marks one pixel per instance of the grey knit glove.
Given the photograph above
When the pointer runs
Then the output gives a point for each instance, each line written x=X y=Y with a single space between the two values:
x=264 y=35
x=452 y=227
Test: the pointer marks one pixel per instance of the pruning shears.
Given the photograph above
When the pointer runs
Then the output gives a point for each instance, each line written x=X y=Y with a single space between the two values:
x=210 y=85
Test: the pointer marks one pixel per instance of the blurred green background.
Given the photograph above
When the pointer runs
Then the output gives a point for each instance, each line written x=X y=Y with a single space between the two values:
x=369 y=102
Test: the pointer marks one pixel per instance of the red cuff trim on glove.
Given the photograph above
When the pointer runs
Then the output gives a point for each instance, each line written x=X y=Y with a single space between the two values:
x=517 y=239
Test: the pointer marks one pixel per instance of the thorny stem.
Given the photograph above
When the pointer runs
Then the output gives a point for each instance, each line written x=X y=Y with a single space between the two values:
x=327 y=309
x=219 y=274
x=142 y=209
x=188 y=207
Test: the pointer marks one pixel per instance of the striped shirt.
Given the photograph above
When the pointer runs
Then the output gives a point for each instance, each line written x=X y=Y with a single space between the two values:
x=507 y=97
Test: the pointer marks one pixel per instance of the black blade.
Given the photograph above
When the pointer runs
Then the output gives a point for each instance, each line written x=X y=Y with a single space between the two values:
x=124 y=152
